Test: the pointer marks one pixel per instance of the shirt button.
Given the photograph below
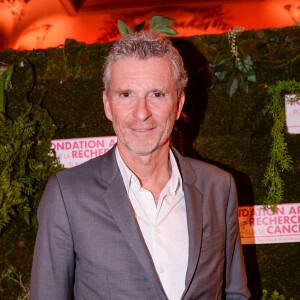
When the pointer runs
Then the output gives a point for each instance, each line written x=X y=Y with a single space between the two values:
x=157 y=230
x=161 y=270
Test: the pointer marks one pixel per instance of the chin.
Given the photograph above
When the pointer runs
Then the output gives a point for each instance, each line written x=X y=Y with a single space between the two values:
x=143 y=146
x=143 y=150
x=146 y=148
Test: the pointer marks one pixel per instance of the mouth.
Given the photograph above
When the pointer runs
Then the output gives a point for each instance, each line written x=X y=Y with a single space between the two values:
x=142 y=130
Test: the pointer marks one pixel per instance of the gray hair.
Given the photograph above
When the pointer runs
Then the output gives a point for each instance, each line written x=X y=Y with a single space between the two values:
x=143 y=45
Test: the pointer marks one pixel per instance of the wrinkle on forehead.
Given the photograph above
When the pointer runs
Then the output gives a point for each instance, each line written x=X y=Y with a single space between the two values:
x=132 y=72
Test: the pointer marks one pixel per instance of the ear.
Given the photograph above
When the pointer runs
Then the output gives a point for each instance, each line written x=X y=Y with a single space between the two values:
x=106 y=104
x=180 y=103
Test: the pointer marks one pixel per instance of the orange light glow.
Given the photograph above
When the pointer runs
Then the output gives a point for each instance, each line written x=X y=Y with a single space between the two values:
x=41 y=24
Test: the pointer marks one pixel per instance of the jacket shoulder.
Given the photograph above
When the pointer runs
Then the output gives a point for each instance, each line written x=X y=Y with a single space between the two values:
x=206 y=168
x=103 y=166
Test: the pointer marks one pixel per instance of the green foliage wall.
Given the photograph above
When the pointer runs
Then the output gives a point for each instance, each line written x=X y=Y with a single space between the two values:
x=232 y=132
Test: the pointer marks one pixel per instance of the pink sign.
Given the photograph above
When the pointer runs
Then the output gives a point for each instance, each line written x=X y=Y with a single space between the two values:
x=262 y=226
x=73 y=152
x=292 y=113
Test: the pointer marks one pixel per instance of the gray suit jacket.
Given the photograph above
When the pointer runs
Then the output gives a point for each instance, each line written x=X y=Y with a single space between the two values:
x=89 y=240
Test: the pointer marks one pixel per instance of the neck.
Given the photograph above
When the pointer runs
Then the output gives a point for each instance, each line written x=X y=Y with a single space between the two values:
x=153 y=170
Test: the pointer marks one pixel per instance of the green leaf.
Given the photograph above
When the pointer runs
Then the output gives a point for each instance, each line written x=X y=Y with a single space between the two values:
x=246 y=59
x=124 y=28
x=8 y=76
x=251 y=77
x=159 y=24
x=243 y=85
x=139 y=27
x=226 y=60
x=160 y=21
x=288 y=39
x=245 y=63
x=274 y=39
x=26 y=214
x=249 y=73
x=221 y=75
x=167 y=30
x=155 y=20
x=232 y=83
x=223 y=67
x=5 y=76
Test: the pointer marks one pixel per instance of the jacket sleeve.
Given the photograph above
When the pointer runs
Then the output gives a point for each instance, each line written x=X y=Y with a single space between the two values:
x=52 y=274
x=235 y=274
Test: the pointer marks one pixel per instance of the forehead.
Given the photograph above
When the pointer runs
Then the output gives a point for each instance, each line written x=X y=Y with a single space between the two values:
x=154 y=70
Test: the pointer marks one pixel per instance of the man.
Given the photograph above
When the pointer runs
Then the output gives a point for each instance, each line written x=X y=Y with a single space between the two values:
x=140 y=222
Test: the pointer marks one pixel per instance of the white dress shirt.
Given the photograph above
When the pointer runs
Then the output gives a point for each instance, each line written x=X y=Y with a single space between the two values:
x=164 y=227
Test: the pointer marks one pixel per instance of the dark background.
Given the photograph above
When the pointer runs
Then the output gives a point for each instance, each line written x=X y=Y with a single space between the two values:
x=232 y=133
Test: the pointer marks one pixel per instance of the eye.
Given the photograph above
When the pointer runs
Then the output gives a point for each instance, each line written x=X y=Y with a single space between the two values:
x=125 y=94
x=157 y=94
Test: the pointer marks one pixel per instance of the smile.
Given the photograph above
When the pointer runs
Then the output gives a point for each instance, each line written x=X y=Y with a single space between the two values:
x=141 y=130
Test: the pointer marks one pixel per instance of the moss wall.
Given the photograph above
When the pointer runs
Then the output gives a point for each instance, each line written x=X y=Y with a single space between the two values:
x=231 y=133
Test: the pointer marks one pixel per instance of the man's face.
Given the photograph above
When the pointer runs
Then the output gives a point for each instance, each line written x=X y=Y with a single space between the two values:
x=142 y=104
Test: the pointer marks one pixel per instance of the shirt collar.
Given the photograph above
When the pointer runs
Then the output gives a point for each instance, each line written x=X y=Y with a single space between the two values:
x=174 y=184
x=125 y=171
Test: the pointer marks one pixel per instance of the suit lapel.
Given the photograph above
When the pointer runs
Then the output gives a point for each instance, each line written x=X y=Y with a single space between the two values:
x=193 y=200
x=121 y=210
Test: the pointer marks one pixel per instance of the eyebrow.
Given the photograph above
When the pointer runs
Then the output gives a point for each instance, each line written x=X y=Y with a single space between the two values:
x=159 y=91
x=121 y=91
x=155 y=90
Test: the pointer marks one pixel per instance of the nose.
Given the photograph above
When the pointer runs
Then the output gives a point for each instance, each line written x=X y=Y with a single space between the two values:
x=141 y=110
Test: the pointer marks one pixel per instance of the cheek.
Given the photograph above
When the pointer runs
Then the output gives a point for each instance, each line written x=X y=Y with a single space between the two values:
x=119 y=116
x=168 y=120
x=173 y=114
